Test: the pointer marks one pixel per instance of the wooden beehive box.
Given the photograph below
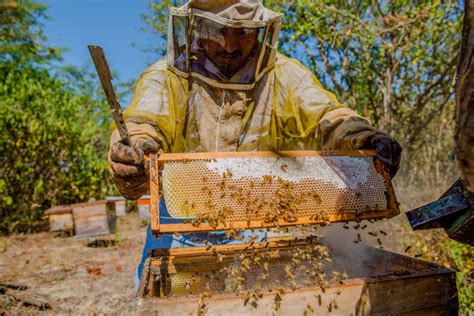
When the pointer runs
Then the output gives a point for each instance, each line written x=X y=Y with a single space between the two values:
x=60 y=218
x=143 y=205
x=94 y=219
x=387 y=284
x=120 y=205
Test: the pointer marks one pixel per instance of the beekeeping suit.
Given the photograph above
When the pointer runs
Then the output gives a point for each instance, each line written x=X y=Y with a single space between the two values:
x=224 y=87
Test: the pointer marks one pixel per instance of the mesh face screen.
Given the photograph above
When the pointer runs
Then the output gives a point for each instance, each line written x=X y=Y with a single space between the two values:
x=266 y=188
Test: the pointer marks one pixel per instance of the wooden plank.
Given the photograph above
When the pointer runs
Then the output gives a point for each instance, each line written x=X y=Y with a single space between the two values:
x=392 y=203
x=337 y=217
x=120 y=208
x=154 y=193
x=167 y=157
x=226 y=248
x=61 y=222
x=144 y=280
x=93 y=219
x=58 y=209
x=293 y=303
x=416 y=294
x=91 y=203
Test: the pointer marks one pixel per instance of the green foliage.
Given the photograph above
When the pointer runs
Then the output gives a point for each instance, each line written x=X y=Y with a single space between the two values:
x=157 y=23
x=392 y=61
x=21 y=35
x=55 y=142
x=53 y=131
x=462 y=260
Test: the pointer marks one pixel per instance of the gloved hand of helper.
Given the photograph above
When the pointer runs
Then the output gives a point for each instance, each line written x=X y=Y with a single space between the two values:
x=127 y=166
x=388 y=151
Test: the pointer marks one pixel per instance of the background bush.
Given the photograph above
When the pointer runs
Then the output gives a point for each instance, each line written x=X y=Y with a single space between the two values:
x=53 y=126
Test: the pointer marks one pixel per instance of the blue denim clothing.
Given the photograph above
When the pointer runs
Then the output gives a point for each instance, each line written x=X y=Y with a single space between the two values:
x=188 y=240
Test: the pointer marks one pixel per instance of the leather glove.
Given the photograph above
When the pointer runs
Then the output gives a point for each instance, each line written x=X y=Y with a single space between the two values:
x=388 y=151
x=126 y=165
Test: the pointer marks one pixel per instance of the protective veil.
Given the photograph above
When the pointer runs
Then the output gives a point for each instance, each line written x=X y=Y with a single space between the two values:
x=188 y=104
x=198 y=26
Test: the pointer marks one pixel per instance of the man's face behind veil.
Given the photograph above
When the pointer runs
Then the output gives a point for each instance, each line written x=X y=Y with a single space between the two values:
x=231 y=48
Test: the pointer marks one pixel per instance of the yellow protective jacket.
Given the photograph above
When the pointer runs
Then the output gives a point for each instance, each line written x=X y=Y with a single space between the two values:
x=287 y=110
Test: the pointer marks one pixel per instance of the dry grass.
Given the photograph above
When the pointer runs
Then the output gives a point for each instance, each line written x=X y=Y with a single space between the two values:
x=71 y=276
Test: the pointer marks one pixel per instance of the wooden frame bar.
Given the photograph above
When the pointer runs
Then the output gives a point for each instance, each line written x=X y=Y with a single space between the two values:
x=158 y=228
x=154 y=192
x=262 y=154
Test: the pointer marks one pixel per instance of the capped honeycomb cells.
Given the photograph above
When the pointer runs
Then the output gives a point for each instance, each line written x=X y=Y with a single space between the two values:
x=258 y=188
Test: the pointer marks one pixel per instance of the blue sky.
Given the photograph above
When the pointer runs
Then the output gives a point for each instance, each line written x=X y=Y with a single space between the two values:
x=113 y=24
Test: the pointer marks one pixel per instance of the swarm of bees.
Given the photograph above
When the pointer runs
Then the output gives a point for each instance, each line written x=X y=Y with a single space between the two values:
x=260 y=270
x=256 y=271
x=284 y=203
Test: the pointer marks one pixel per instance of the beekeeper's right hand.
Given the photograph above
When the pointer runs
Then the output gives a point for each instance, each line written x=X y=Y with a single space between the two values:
x=126 y=165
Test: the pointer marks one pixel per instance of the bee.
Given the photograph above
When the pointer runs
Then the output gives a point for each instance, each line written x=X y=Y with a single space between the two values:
x=265 y=266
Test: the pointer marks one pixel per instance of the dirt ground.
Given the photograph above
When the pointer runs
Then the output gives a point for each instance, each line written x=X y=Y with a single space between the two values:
x=76 y=278
x=70 y=275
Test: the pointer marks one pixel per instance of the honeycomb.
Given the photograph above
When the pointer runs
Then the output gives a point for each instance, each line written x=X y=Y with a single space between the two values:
x=269 y=273
x=267 y=188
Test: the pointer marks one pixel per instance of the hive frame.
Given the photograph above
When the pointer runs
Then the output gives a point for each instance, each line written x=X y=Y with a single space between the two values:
x=167 y=261
x=155 y=160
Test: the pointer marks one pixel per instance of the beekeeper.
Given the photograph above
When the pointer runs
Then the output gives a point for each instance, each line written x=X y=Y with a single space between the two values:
x=224 y=87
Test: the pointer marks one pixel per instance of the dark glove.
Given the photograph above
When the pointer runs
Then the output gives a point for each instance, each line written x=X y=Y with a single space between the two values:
x=127 y=167
x=388 y=151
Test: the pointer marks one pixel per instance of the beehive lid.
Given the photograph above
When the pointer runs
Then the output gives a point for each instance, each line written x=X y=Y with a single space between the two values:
x=58 y=209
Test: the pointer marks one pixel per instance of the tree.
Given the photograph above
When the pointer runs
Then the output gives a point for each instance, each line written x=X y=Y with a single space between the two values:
x=393 y=61
x=53 y=129
x=21 y=35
